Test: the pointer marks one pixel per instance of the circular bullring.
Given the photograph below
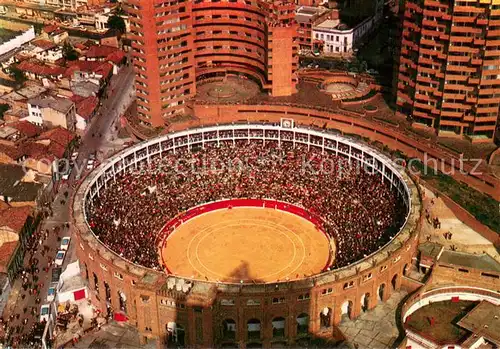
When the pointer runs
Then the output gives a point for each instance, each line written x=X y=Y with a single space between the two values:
x=194 y=140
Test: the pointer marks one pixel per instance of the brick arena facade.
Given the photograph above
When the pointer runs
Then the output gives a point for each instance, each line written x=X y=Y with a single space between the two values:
x=183 y=311
x=176 y=43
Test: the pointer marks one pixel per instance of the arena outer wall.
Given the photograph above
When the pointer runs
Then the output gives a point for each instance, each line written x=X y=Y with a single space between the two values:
x=154 y=299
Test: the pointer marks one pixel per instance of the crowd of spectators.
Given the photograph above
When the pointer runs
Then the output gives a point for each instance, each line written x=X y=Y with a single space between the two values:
x=359 y=210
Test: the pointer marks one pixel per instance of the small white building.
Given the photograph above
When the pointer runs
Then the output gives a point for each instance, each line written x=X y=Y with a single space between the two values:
x=338 y=38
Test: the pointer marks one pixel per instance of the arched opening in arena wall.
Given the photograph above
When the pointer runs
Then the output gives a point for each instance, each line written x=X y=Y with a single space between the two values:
x=381 y=290
x=107 y=291
x=346 y=310
x=86 y=272
x=229 y=329
x=278 y=327
x=96 y=285
x=325 y=318
x=302 y=324
x=175 y=334
x=123 y=301
x=365 y=302
x=394 y=281
x=405 y=269
x=253 y=329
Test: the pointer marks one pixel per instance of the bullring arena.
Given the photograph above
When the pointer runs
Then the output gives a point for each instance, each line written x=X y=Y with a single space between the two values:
x=259 y=256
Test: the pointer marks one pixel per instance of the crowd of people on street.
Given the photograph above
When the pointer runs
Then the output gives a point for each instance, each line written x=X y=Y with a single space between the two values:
x=23 y=328
x=358 y=209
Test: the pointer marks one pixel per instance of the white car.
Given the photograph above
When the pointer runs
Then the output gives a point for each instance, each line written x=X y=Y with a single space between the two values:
x=44 y=312
x=65 y=243
x=60 y=257
x=66 y=175
x=74 y=156
x=51 y=294
x=90 y=164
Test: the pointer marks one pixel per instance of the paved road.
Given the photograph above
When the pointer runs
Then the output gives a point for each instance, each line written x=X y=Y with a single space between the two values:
x=20 y=299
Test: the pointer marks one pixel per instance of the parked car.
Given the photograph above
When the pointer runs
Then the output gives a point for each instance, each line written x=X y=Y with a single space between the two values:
x=65 y=243
x=60 y=257
x=51 y=294
x=44 y=312
x=66 y=175
x=90 y=164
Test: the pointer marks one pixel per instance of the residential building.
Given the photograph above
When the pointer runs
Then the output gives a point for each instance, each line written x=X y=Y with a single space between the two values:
x=176 y=43
x=306 y=17
x=16 y=226
x=52 y=112
x=14 y=189
x=336 y=37
x=449 y=67
x=55 y=34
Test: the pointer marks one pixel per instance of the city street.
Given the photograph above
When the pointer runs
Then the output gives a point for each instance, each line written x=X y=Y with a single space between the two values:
x=101 y=133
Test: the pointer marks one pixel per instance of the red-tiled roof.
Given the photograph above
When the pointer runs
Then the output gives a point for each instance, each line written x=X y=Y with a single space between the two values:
x=44 y=44
x=26 y=128
x=35 y=150
x=100 y=51
x=50 y=28
x=3 y=205
x=10 y=151
x=59 y=135
x=39 y=68
x=116 y=57
x=101 y=68
x=56 y=149
x=15 y=217
x=85 y=107
x=80 y=46
x=6 y=251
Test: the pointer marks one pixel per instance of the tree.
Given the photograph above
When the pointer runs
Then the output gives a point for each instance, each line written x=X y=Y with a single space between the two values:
x=116 y=22
x=3 y=108
x=69 y=52
x=17 y=74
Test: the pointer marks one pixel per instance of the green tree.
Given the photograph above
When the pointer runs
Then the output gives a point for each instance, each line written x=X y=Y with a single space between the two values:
x=69 y=52
x=17 y=74
x=116 y=22
x=3 y=108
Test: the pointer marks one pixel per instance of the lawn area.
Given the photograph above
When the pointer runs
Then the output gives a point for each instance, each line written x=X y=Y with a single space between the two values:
x=480 y=205
x=446 y=314
x=6 y=34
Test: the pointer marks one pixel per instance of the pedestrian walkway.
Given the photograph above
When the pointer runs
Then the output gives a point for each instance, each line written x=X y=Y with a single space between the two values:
x=375 y=329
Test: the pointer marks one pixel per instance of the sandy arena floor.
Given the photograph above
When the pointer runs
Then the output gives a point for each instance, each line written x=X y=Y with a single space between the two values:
x=246 y=243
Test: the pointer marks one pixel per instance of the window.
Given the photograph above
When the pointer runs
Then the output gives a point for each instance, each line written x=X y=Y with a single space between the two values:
x=91 y=257
x=118 y=275
x=303 y=297
x=383 y=268
x=279 y=300
x=327 y=291
x=252 y=302
x=81 y=246
x=348 y=285
x=103 y=267
x=227 y=301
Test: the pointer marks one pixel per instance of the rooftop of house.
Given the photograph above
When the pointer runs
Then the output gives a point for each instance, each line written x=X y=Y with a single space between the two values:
x=11 y=184
x=10 y=151
x=85 y=106
x=26 y=128
x=40 y=68
x=483 y=321
x=44 y=44
x=430 y=249
x=100 y=68
x=305 y=14
x=62 y=105
x=15 y=217
x=29 y=91
x=482 y=262
x=7 y=132
x=58 y=135
x=6 y=251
